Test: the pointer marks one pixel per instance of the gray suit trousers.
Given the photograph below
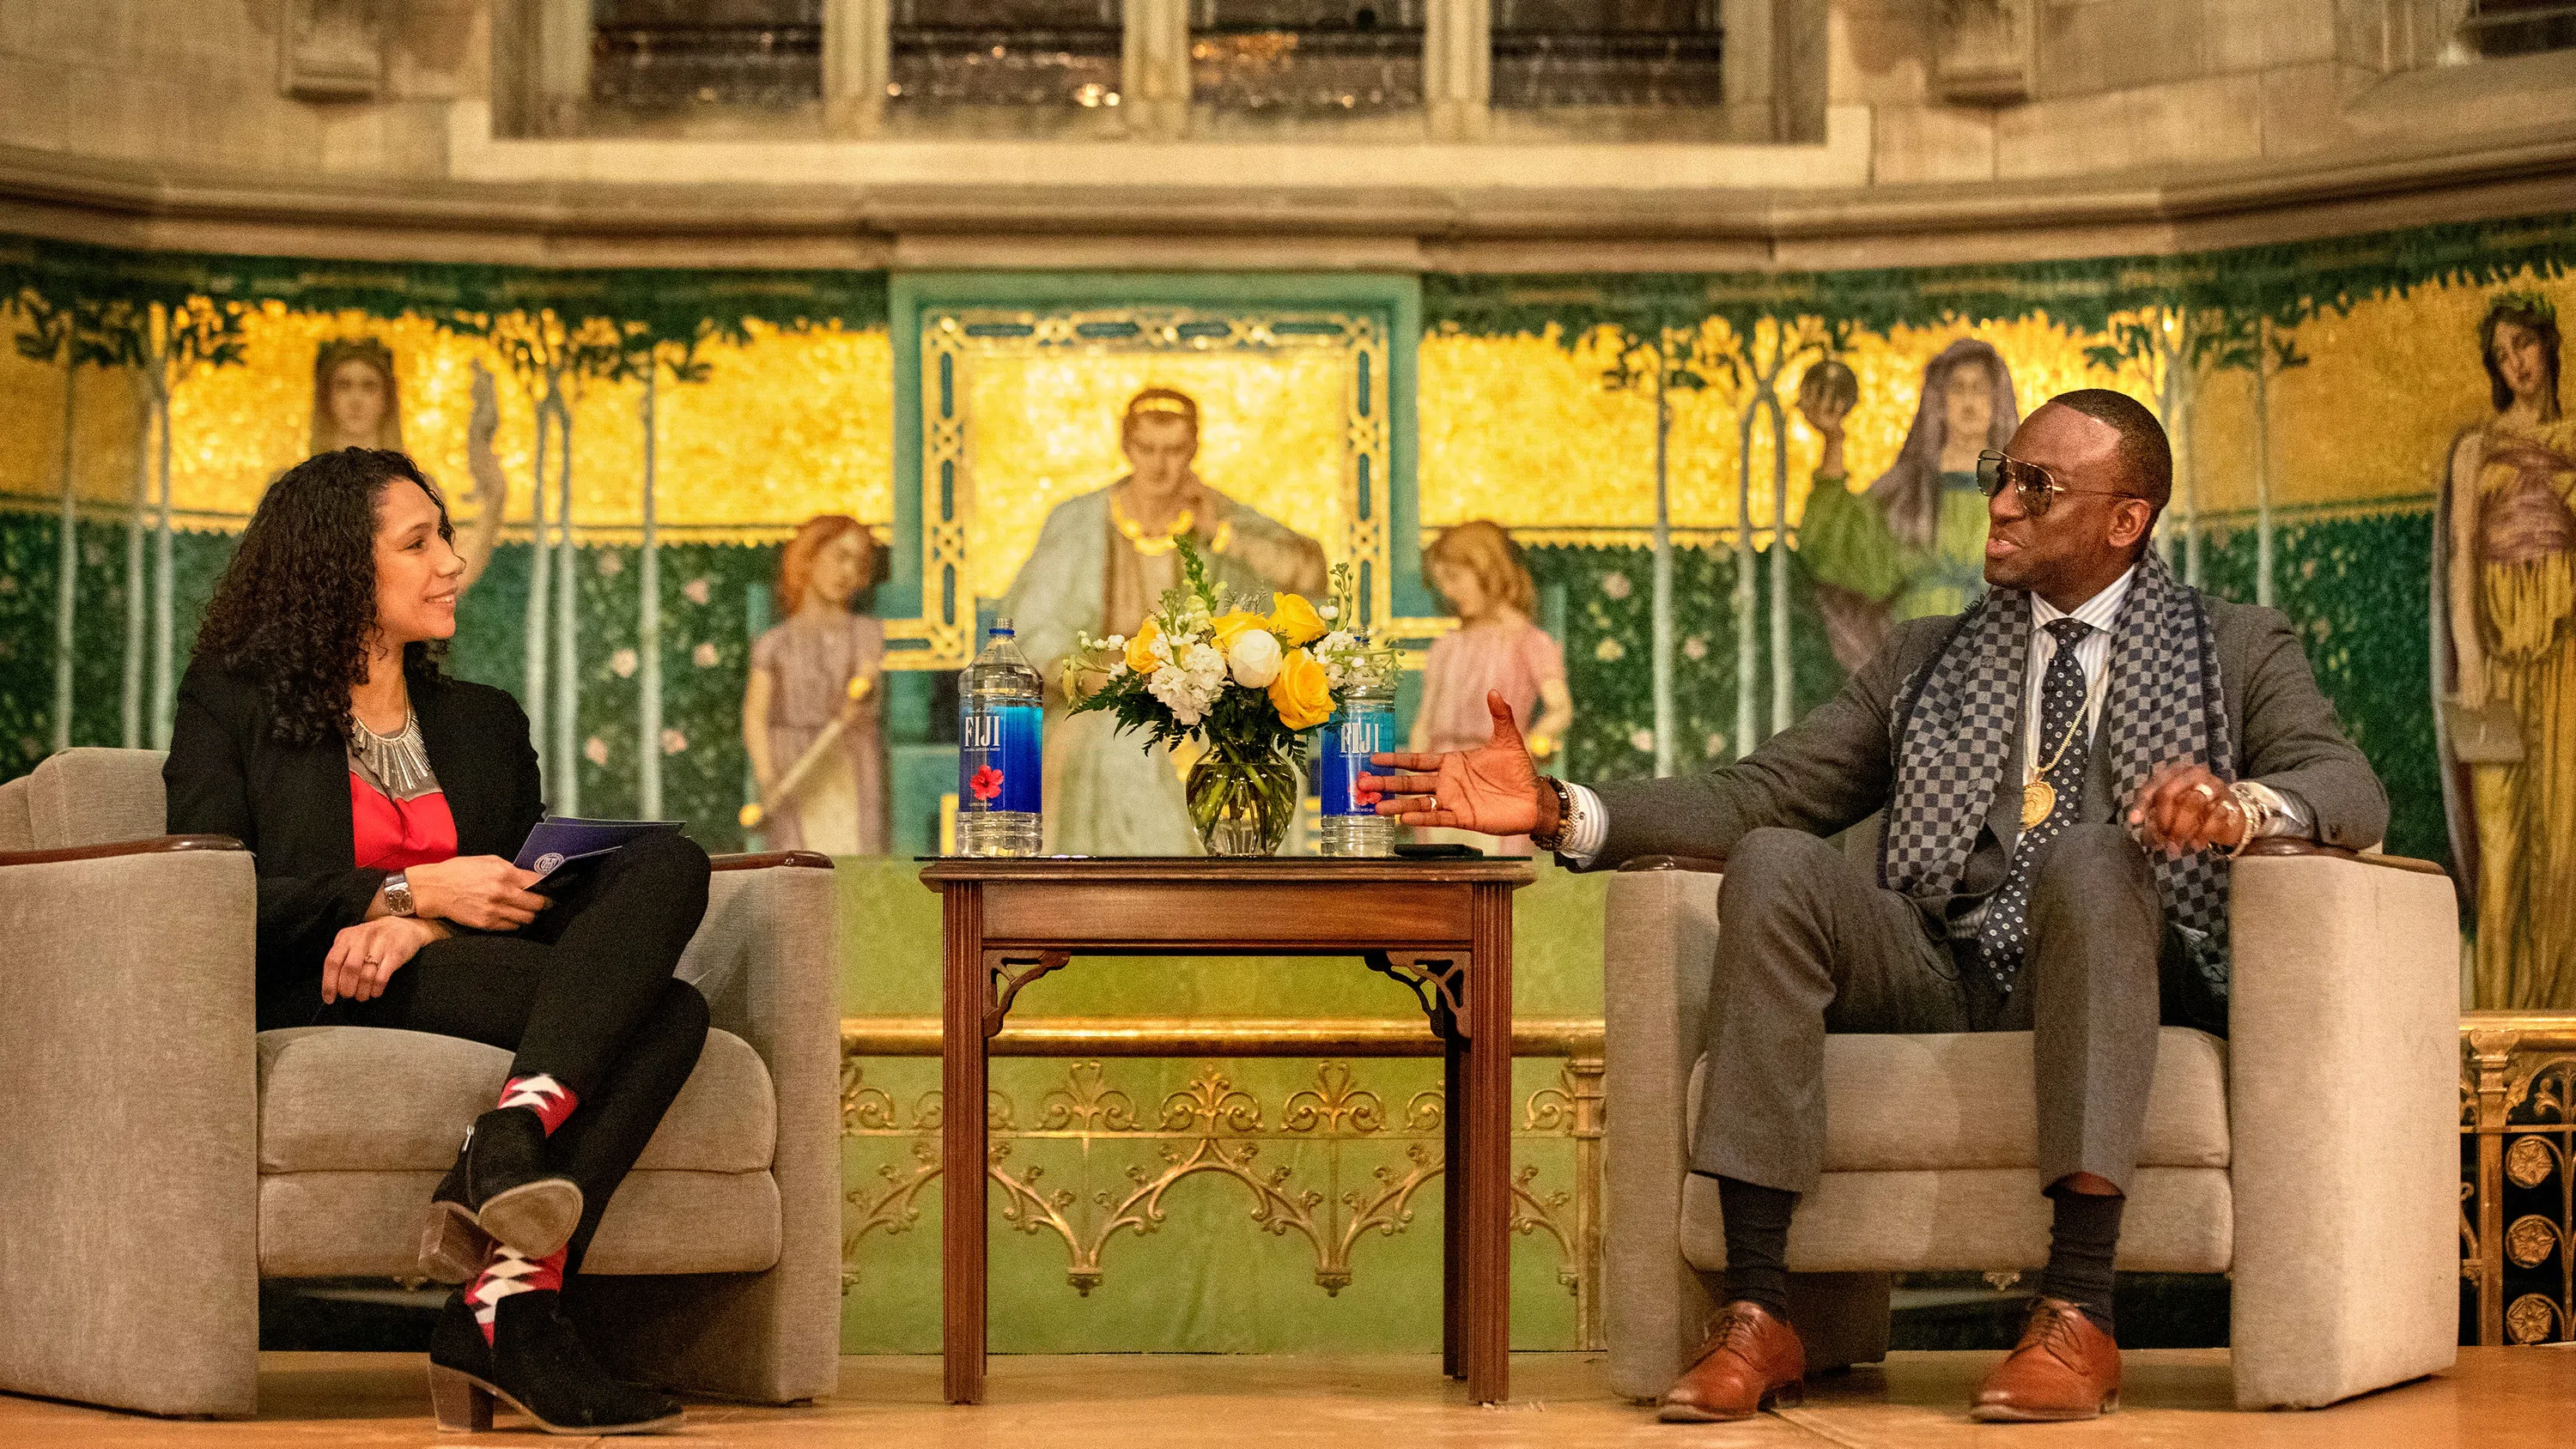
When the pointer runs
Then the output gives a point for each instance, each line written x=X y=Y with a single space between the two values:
x=1808 y=943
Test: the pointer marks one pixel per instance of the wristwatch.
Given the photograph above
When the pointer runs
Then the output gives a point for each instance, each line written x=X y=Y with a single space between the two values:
x=397 y=894
x=1564 y=815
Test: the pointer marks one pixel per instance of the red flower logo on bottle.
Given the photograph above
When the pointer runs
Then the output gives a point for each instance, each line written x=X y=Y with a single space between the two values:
x=987 y=784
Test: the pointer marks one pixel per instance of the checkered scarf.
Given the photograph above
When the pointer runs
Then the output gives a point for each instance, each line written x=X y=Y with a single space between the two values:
x=1958 y=713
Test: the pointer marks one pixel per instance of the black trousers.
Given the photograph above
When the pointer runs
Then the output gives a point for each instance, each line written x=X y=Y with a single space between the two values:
x=585 y=994
x=1809 y=943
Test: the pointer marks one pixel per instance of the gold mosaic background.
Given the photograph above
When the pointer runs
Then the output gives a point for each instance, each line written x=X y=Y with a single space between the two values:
x=786 y=424
x=1040 y=430
x=1521 y=429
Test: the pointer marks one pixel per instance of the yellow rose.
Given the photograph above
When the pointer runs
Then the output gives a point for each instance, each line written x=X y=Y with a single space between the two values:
x=1301 y=693
x=1140 y=650
x=1295 y=621
x=1229 y=627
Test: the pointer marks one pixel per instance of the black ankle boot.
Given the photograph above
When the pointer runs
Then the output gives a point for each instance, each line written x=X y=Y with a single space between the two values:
x=499 y=1190
x=539 y=1366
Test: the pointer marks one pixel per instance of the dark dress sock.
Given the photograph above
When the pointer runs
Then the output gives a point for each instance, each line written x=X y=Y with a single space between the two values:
x=2082 y=1238
x=1757 y=1243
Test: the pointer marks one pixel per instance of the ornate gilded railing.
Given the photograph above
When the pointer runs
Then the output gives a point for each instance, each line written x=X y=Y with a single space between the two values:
x=2517 y=1185
x=1213 y=1128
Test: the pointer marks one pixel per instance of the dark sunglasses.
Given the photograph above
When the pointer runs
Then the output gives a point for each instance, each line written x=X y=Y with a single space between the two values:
x=2031 y=483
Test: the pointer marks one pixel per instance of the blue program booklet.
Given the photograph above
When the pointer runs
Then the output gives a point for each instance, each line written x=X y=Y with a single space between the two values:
x=560 y=843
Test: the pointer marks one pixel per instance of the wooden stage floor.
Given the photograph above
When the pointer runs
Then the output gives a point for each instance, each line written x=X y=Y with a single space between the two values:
x=2496 y=1399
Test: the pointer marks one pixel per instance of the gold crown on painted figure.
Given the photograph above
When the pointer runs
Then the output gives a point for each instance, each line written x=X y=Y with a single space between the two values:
x=1179 y=407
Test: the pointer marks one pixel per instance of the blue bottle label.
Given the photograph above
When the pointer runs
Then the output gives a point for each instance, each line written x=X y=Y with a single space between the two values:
x=999 y=760
x=1350 y=737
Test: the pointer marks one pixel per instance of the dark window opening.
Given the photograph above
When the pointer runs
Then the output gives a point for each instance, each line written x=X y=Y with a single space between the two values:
x=1636 y=53
x=677 y=55
x=1038 y=53
x=1307 y=57
x=2497 y=28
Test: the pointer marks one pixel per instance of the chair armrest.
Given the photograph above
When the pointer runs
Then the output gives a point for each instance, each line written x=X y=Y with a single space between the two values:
x=1659 y=940
x=153 y=845
x=767 y=957
x=2343 y=1106
x=128 y=1065
x=1697 y=864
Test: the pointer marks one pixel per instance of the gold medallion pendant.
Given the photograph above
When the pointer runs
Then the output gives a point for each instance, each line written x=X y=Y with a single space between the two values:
x=2038 y=799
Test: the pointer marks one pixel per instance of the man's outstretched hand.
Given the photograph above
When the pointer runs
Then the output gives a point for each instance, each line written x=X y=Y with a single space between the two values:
x=1493 y=788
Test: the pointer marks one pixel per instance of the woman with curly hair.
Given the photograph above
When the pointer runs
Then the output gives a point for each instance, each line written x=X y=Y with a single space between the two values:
x=381 y=802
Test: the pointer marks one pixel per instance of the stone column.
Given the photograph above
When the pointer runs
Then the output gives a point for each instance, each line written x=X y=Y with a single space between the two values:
x=1156 y=75
x=1458 y=68
x=857 y=60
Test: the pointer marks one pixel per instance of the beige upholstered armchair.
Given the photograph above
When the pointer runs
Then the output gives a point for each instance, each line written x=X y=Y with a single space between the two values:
x=158 y=1159
x=2314 y=1155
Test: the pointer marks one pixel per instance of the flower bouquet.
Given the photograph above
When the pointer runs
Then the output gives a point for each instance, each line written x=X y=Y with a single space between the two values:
x=1245 y=686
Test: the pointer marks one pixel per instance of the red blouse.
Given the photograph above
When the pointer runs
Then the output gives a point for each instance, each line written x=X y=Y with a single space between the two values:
x=399 y=834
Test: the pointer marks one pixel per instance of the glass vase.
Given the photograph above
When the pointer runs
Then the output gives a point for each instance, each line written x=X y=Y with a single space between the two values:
x=1243 y=798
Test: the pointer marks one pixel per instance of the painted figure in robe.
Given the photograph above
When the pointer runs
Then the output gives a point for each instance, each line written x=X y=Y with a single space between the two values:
x=357 y=403
x=2506 y=589
x=1102 y=561
x=1477 y=571
x=1915 y=543
x=801 y=673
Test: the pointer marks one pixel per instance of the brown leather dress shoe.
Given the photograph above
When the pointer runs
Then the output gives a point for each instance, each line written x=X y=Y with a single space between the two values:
x=1749 y=1362
x=2064 y=1368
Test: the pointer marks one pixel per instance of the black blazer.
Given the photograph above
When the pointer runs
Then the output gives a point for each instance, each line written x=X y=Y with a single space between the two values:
x=229 y=774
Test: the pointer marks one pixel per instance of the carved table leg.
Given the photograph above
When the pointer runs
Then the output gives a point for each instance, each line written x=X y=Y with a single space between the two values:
x=966 y=1001
x=1488 y=1166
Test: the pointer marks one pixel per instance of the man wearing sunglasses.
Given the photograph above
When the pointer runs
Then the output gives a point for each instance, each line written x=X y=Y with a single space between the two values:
x=2058 y=776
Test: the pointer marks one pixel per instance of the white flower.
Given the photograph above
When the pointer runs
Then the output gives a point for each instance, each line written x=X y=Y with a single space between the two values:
x=697 y=590
x=1615 y=585
x=611 y=563
x=1716 y=745
x=704 y=656
x=1254 y=659
x=622 y=663
x=1695 y=648
x=1609 y=649
x=1644 y=740
x=673 y=742
x=595 y=750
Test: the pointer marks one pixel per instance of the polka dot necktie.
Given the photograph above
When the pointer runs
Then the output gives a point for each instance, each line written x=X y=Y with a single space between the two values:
x=2006 y=928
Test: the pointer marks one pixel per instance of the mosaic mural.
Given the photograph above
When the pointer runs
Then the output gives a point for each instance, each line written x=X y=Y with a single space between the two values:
x=662 y=432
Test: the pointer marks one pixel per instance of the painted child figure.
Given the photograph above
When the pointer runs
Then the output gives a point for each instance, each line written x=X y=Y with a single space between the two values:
x=801 y=674
x=1476 y=569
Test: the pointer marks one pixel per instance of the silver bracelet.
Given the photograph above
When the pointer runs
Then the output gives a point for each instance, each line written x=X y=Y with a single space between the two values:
x=2256 y=811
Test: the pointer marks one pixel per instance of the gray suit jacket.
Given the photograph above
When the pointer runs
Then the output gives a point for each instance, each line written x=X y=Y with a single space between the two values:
x=1834 y=769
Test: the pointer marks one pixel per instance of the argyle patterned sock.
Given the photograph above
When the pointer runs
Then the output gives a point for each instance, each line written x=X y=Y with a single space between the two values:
x=551 y=1100
x=506 y=1272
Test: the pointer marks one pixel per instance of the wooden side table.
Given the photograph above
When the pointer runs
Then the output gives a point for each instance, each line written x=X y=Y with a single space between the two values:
x=1442 y=928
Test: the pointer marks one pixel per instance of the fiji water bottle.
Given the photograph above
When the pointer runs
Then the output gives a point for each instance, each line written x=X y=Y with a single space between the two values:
x=999 y=761
x=1363 y=726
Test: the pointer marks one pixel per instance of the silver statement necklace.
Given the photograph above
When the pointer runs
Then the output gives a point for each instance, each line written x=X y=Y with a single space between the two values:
x=398 y=762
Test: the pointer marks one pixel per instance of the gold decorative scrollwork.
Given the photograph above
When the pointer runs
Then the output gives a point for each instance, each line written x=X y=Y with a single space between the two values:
x=1333 y=1106
x=2516 y=1095
x=2529 y=1161
x=1214 y=1127
x=2530 y=1241
x=2469 y=1262
x=2531 y=1318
